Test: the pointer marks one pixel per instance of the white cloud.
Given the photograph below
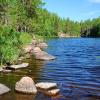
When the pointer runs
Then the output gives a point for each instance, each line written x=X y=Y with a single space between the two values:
x=95 y=1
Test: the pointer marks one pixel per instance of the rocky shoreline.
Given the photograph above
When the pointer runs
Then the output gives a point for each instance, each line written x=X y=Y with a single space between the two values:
x=33 y=49
x=26 y=85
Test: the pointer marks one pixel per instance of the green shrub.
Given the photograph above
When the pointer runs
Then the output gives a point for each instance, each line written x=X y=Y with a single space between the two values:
x=25 y=38
x=9 y=44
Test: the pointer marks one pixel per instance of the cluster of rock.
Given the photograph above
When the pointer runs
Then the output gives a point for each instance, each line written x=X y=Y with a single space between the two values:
x=27 y=86
x=36 y=50
x=42 y=55
x=48 y=88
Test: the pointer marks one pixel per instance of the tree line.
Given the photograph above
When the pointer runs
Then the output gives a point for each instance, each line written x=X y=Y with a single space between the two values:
x=21 y=20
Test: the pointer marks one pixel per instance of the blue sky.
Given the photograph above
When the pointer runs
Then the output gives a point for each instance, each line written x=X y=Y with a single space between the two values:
x=74 y=9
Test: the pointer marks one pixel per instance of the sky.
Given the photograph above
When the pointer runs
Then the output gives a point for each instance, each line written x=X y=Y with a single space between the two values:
x=76 y=10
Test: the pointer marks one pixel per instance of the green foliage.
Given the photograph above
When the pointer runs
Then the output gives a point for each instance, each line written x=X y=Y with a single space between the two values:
x=90 y=28
x=9 y=42
x=20 y=20
x=25 y=38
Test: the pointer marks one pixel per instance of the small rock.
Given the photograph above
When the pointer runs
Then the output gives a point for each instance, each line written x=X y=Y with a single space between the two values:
x=23 y=65
x=3 y=89
x=26 y=85
x=46 y=85
x=6 y=71
x=42 y=45
x=1 y=69
x=52 y=92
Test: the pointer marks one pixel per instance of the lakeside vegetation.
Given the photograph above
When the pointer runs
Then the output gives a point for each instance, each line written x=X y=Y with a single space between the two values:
x=21 y=20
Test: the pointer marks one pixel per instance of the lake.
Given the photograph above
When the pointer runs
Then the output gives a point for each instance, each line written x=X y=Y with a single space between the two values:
x=76 y=70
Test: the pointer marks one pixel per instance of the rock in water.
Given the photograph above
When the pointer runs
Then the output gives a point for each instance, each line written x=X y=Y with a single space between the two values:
x=23 y=65
x=3 y=89
x=42 y=45
x=26 y=85
x=42 y=55
x=51 y=92
x=46 y=85
x=47 y=88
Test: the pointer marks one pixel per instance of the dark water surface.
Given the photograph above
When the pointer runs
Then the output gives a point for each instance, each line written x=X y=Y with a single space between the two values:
x=76 y=71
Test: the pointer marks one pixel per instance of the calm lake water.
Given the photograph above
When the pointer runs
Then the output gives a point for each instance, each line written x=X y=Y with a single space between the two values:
x=76 y=70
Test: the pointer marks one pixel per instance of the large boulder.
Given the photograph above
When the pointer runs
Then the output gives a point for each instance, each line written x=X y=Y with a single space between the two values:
x=26 y=85
x=42 y=55
x=23 y=65
x=3 y=89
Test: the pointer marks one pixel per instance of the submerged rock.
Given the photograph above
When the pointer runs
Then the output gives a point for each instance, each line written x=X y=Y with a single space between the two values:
x=42 y=55
x=3 y=89
x=26 y=85
x=46 y=85
x=23 y=65
x=51 y=92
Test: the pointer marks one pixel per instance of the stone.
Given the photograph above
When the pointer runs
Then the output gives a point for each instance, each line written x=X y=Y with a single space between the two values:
x=42 y=55
x=37 y=50
x=42 y=45
x=26 y=85
x=51 y=92
x=1 y=69
x=46 y=85
x=23 y=65
x=6 y=71
x=3 y=89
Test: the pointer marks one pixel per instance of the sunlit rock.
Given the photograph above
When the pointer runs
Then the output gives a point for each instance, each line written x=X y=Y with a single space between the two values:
x=42 y=55
x=48 y=88
x=23 y=65
x=46 y=85
x=3 y=89
x=1 y=69
x=42 y=45
x=6 y=71
x=52 y=92
x=26 y=85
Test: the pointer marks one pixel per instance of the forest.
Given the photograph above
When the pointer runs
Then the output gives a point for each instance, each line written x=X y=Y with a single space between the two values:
x=21 y=20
